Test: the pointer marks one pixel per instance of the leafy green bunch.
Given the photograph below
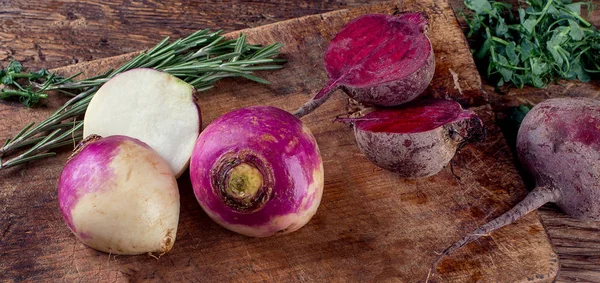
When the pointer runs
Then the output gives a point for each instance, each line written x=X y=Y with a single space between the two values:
x=545 y=41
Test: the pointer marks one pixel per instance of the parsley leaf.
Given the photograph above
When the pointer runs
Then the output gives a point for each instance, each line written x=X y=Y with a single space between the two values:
x=548 y=40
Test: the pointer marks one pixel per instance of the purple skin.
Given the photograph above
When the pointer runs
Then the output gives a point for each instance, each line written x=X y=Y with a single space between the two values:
x=118 y=196
x=378 y=59
x=418 y=139
x=395 y=92
x=98 y=152
x=559 y=145
x=280 y=152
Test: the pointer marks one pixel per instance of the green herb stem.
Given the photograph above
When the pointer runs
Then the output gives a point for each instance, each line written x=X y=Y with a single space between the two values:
x=544 y=12
x=578 y=17
x=501 y=41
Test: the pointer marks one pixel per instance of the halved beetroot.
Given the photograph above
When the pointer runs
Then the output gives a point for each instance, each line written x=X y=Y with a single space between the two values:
x=378 y=59
x=418 y=139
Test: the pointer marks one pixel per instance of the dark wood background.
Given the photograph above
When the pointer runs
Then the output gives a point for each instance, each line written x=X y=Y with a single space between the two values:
x=55 y=33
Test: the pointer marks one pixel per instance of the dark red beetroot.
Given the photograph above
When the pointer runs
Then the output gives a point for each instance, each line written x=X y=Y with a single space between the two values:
x=378 y=59
x=257 y=171
x=559 y=145
x=418 y=139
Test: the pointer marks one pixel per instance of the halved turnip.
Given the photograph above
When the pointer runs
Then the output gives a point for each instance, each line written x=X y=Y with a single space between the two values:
x=152 y=106
x=418 y=139
x=119 y=196
x=257 y=171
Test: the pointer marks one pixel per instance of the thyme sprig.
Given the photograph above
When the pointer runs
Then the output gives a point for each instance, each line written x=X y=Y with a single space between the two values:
x=28 y=95
x=200 y=59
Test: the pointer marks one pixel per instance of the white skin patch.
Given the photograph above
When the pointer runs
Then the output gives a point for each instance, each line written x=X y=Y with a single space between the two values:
x=138 y=216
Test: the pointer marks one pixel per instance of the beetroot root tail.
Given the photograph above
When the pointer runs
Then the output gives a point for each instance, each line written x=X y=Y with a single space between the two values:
x=316 y=101
x=534 y=200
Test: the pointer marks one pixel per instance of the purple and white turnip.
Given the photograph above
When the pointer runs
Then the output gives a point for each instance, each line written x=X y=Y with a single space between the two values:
x=418 y=139
x=117 y=195
x=558 y=143
x=378 y=59
x=257 y=171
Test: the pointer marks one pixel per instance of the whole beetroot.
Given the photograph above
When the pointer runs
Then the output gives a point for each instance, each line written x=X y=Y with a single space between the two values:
x=417 y=139
x=257 y=171
x=378 y=59
x=559 y=145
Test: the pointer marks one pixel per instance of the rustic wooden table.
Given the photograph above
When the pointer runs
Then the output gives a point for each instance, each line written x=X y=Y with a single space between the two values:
x=56 y=33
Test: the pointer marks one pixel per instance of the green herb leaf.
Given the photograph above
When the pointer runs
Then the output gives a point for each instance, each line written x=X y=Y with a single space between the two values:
x=527 y=49
x=576 y=32
x=521 y=15
x=578 y=72
x=14 y=67
x=548 y=40
x=529 y=25
x=512 y=54
x=574 y=7
x=7 y=79
x=501 y=27
x=480 y=7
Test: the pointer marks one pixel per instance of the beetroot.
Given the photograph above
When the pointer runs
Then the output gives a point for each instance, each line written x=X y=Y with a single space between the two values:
x=559 y=145
x=418 y=139
x=257 y=171
x=378 y=59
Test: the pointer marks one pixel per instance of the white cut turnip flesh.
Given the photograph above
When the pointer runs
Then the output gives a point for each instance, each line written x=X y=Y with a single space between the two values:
x=152 y=106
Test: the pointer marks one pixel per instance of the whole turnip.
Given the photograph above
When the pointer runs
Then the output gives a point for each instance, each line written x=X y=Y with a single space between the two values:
x=117 y=195
x=257 y=171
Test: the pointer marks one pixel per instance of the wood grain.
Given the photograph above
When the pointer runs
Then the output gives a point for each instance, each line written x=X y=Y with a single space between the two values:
x=370 y=226
x=56 y=33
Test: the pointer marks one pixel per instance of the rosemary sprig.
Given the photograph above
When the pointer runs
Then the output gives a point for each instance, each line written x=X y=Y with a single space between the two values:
x=200 y=59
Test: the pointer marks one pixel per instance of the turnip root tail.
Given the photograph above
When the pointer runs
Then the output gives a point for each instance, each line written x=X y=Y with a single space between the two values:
x=534 y=200
x=317 y=101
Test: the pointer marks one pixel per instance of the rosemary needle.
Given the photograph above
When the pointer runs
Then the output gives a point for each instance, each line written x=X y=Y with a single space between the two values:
x=200 y=59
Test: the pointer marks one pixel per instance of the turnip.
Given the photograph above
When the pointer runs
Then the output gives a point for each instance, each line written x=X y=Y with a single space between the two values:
x=378 y=59
x=418 y=139
x=257 y=171
x=152 y=106
x=117 y=195
x=558 y=143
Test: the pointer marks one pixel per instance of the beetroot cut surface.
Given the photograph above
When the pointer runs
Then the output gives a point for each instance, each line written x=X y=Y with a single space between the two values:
x=417 y=117
x=378 y=59
x=418 y=139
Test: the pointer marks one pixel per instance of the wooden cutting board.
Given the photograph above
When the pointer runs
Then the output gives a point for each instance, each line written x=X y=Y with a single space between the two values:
x=371 y=225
